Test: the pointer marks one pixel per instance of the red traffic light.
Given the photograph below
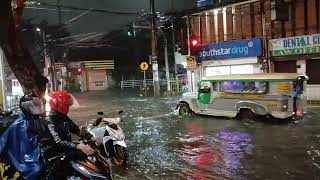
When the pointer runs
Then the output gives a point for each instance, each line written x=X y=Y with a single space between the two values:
x=194 y=42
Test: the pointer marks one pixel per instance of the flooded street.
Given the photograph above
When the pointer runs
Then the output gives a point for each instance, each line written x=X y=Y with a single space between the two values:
x=163 y=146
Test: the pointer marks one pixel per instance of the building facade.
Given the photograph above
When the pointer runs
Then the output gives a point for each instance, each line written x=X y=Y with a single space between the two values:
x=84 y=75
x=286 y=29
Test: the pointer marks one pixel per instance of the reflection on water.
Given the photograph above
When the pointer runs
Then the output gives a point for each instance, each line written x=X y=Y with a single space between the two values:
x=212 y=154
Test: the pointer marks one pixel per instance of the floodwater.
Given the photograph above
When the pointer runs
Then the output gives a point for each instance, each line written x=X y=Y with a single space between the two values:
x=163 y=146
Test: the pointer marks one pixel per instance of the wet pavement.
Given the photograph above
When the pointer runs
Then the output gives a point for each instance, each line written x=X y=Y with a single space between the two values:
x=163 y=146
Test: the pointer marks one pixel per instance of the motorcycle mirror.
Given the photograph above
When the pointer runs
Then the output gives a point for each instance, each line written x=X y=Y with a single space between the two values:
x=100 y=113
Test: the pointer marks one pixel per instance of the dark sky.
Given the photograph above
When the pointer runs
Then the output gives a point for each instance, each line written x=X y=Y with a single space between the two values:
x=101 y=22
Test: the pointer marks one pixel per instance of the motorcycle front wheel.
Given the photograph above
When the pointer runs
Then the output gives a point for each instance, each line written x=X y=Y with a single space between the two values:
x=120 y=156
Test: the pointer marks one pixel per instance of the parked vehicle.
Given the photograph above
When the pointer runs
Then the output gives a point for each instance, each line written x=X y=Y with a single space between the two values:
x=245 y=96
x=113 y=145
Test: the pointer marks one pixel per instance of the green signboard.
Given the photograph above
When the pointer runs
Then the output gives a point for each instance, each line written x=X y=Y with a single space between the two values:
x=296 y=51
x=297 y=45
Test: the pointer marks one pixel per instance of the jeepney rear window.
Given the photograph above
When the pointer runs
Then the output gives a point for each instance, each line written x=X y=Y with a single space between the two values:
x=248 y=87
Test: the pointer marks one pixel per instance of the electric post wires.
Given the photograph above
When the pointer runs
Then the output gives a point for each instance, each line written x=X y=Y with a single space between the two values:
x=50 y=6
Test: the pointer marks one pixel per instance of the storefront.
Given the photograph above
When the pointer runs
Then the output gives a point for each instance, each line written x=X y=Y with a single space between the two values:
x=300 y=54
x=234 y=57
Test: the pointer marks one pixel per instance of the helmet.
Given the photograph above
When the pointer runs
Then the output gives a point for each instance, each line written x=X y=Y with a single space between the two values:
x=31 y=105
x=61 y=101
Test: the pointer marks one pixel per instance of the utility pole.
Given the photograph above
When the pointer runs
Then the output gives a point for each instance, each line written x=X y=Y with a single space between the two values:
x=53 y=69
x=190 y=74
x=174 y=57
x=47 y=59
x=166 y=59
x=154 y=57
x=3 y=81
x=174 y=49
x=59 y=12
x=166 y=62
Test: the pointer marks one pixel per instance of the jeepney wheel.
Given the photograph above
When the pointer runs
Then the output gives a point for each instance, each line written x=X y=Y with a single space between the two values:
x=246 y=114
x=184 y=110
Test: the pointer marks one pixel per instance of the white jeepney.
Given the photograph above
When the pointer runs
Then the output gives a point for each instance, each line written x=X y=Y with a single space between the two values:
x=247 y=96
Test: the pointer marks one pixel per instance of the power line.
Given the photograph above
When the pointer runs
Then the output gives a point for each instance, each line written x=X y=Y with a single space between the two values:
x=78 y=35
x=91 y=9
x=47 y=9
x=81 y=40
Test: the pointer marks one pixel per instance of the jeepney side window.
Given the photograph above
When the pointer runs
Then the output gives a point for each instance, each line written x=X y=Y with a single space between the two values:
x=246 y=87
x=215 y=86
x=204 y=87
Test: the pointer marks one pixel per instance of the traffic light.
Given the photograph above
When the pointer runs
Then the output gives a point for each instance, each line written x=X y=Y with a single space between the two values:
x=130 y=31
x=194 y=45
x=194 y=42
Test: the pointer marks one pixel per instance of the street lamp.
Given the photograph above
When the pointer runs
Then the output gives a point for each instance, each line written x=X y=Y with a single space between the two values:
x=38 y=29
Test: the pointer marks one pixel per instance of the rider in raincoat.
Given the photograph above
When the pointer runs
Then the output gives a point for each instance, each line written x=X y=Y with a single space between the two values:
x=19 y=145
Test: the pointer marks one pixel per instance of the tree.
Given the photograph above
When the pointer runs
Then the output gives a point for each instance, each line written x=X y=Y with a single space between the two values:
x=17 y=54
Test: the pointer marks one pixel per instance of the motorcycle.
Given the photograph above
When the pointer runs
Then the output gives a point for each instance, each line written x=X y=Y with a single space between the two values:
x=75 y=165
x=72 y=165
x=108 y=130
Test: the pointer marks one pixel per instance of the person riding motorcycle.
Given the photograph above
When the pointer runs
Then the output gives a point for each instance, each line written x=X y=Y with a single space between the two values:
x=61 y=126
x=19 y=144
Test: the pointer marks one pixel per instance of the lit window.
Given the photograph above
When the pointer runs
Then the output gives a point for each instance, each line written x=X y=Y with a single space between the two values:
x=238 y=87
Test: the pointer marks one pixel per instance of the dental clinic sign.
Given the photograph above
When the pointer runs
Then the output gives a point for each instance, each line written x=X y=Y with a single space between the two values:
x=232 y=49
x=297 y=45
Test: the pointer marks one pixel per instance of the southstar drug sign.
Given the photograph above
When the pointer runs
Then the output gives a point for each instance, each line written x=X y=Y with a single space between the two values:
x=231 y=49
x=297 y=45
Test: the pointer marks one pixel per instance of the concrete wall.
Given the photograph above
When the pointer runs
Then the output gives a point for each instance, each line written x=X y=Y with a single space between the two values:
x=96 y=80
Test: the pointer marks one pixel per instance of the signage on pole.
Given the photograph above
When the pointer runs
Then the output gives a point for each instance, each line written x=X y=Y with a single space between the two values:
x=296 y=45
x=144 y=66
x=232 y=49
x=191 y=63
